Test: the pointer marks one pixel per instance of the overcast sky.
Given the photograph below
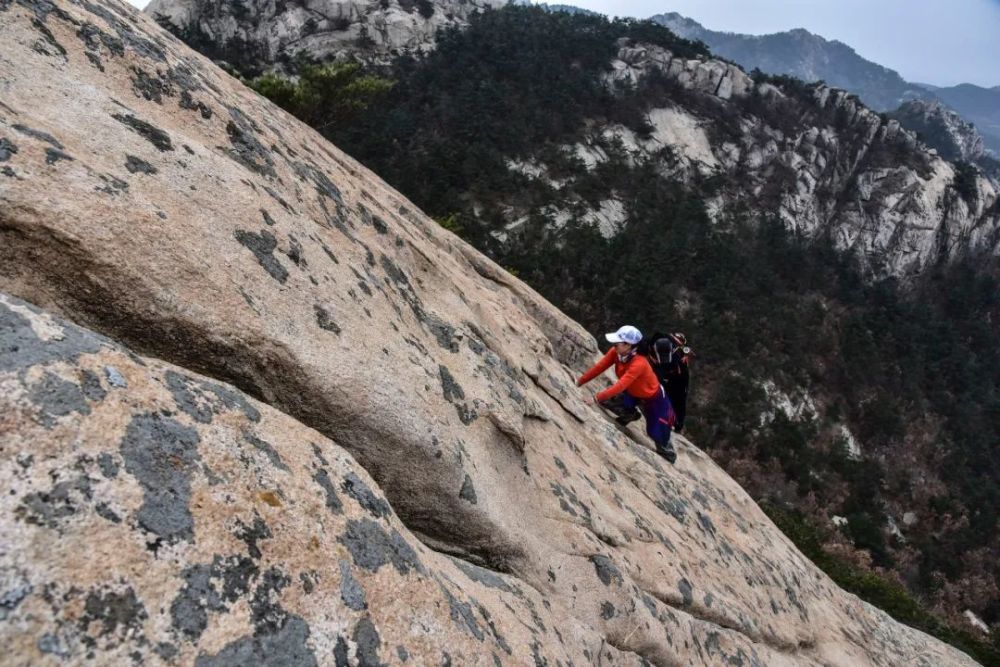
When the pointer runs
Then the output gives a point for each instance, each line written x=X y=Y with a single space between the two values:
x=927 y=41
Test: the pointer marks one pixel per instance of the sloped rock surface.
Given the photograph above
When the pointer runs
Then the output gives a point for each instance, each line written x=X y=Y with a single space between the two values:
x=147 y=196
x=153 y=515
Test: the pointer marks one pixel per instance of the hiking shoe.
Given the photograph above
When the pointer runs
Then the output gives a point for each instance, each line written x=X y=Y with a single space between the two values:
x=625 y=420
x=667 y=452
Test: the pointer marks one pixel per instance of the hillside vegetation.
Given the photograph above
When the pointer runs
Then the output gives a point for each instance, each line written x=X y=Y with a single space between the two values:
x=911 y=371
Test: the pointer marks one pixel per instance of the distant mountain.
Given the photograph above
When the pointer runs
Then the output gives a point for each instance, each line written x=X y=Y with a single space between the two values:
x=806 y=56
x=810 y=57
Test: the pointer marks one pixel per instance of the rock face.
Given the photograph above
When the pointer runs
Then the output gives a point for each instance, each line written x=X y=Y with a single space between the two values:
x=257 y=34
x=816 y=157
x=942 y=129
x=201 y=508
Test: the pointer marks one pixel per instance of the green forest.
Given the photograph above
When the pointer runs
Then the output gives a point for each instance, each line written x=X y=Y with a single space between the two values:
x=912 y=369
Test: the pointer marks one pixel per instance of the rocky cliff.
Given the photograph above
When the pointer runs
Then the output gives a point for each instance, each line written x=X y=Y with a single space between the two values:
x=804 y=55
x=257 y=34
x=942 y=129
x=305 y=425
x=814 y=156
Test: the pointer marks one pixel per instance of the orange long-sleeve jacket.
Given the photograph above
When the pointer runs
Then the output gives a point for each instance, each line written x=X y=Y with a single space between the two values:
x=635 y=376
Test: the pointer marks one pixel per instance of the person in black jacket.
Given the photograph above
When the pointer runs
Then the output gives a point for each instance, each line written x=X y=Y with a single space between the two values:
x=670 y=356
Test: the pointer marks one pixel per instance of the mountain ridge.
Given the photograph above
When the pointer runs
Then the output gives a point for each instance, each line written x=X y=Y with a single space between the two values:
x=812 y=57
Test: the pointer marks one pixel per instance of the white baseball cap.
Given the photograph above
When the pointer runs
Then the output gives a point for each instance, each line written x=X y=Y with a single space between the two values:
x=627 y=334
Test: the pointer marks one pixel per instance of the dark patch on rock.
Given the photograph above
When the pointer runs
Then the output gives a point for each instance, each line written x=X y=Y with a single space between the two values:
x=706 y=524
x=53 y=155
x=166 y=650
x=403 y=654
x=53 y=645
x=606 y=570
x=188 y=400
x=500 y=639
x=266 y=612
x=93 y=38
x=318 y=453
x=268 y=449
x=340 y=653
x=201 y=400
x=95 y=60
x=149 y=87
x=372 y=547
x=325 y=320
x=115 y=378
x=674 y=507
x=709 y=599
x=462 y=615
x=47 y=39
x=286 y=647
x=368 y=642
x=483 y=576
x=275 y=197
x=191 y=104
x=7 y=149
x=113 y=611
x=453 y=393
x=650 y=604
x=10 y=599
x=262 y=245
x=161 y=453
x=322 y=477
x=402 y=283
x=106 y=512
x=443 y=332
x=8 y=172
x=152 y=134
x=351 y=591
x=536 y=654
x=108 y=465
x=562 y=466
x=246 y=149
x=367 y=498
x=468 y=491
x=268 y=220
x=21 y=348
x=379 y=225
x=308 y=580
x=138 y=166
x=126 y=33
x=251 y=535
x=208 y=588
x=38 y=134
x=92 y=387
x=113 y=185
x=56 y=397
x=607 y=610
x=295 y=251
x=684 y=586
x=324 y=186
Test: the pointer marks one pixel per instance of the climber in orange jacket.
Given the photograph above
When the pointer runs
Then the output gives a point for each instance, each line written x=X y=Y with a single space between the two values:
x=637 y=386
